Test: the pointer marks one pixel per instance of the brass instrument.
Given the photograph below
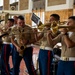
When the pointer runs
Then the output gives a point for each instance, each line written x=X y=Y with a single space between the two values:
x=22 y=42
x=56 y=26
x=22 y=47
x=41 y=25
x=36 y=20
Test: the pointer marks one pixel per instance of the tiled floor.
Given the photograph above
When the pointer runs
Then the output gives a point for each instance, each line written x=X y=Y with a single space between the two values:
x=22 y=65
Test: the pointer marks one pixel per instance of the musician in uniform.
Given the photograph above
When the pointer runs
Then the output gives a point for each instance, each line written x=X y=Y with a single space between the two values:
x=24 y=36
x=66 y=65
x=45 y=53
x=6 y=48
x=15 y=20
x=0 y=53
x=13 y=51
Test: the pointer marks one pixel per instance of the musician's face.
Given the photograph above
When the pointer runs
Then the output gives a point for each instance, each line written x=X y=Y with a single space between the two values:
x=52 y=19
x=71 y=22
x=9 y=23
x=20 y=22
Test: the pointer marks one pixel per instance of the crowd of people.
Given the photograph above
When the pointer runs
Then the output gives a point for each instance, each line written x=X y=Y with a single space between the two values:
x=17 y=43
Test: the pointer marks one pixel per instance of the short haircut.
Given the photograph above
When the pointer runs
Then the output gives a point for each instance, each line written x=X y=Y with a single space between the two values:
x=72 y=17
x=56 y=16
x=20 y=17
x=11 y=20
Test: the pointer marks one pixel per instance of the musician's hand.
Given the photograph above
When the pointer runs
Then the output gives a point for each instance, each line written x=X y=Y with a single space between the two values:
x=23 y=41
x=64 y=30
x=49 y=32
x=18 y=49
x=1 y=30
x=35 y=29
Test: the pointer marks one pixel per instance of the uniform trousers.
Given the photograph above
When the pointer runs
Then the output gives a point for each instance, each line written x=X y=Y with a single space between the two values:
x=45 y=60
x=66 y=68
x=27 y=56
x=5 y=67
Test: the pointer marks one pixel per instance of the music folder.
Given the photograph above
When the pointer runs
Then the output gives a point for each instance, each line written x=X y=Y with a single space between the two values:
x=35 y=18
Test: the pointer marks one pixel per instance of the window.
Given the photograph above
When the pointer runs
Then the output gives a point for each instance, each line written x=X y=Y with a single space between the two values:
x=12 y=1
x=1 y=2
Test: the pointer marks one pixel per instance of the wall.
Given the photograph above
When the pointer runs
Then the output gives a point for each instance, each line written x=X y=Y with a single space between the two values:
x=6 y=5
x=64 y=9
x=28 y=18
x=56 y=2
x=39 y=4
x=64 y=14
x=23 y=4
x=68 y=5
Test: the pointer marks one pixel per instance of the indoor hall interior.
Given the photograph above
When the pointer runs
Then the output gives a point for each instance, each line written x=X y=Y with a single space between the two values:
x=42 y=9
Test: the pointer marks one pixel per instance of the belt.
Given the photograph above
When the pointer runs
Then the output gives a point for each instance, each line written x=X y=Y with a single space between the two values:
x=28 y=45
x=6 y=43
x=67 y=58
x=46 y=48
x=33 y=45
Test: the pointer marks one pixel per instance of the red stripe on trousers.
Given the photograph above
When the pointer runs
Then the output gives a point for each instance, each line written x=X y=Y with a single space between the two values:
x=6 y=65
x=74 y=64
x=49 y=62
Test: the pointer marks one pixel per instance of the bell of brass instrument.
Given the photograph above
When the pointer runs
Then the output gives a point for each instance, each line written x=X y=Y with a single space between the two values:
x=22 y=47
x=41 y=25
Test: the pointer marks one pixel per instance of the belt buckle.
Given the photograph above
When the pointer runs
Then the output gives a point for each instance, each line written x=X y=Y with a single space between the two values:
x=42 y=47
x=65 y=59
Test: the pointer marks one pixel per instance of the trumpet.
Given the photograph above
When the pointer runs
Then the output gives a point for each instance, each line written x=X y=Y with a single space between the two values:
x=56 y=26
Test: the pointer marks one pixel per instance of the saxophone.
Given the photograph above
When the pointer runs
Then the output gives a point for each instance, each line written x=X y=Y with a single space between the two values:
x=22 y=44
x=22 y=47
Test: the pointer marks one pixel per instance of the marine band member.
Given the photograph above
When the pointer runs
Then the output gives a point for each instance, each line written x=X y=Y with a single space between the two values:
x=23 y=39
x=66 y=65
x=45 y=53
x=6 y=48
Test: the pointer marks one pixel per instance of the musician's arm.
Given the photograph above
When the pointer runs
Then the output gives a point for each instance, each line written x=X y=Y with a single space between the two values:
x=69 y=43
x=53 y=41
x=14 y=43
x=35 y=37
x=50 y=40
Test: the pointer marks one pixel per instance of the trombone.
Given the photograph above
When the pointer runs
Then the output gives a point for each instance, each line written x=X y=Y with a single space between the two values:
x=41 y=25
x=56 y=26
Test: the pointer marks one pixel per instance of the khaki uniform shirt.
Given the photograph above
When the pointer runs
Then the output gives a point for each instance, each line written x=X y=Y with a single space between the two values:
x=66 y=52
x=44 y=42
x=6 y=38
x=22 y=33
